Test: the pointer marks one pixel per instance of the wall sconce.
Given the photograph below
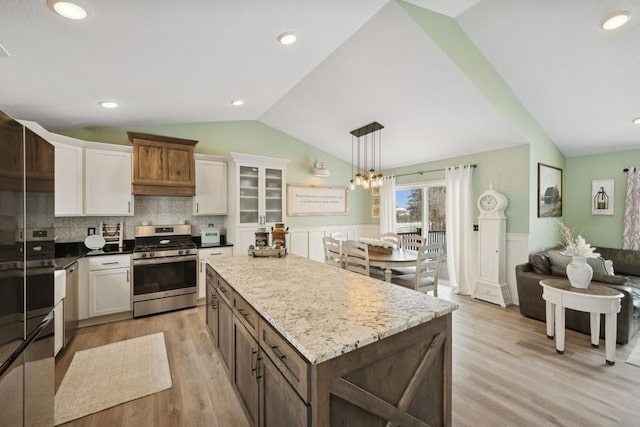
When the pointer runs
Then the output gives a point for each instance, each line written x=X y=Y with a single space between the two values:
x=319 y=169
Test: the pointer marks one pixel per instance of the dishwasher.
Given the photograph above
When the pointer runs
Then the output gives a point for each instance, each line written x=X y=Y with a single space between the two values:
x=70 y=303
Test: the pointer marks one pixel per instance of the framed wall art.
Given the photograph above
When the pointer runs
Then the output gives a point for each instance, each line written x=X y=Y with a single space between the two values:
x=375 y=210
x=305 y=200
x=602 y=197
x=549 y=191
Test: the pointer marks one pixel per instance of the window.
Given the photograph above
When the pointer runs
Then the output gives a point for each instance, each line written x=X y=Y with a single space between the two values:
x=420 y=209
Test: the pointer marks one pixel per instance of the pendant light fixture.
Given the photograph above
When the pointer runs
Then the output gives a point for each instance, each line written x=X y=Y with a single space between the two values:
x=366 y=156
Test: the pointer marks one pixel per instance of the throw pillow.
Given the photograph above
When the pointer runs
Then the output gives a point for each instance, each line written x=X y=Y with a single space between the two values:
x=561 y=260
x=540 y=263
x=598 y=265
x=558 y=258
x=608 y=265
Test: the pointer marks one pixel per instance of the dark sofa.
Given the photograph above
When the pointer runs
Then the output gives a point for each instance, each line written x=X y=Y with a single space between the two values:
x=626 y=264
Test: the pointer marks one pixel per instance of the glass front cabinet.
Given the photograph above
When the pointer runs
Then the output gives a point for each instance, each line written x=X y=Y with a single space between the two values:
x=257 y=196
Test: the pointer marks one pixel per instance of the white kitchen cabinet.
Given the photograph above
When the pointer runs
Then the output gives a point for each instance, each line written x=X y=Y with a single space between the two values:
x=257 y=195
x=69 y=181
x=203 y=254
x=108 y=181
x=211 y=186
x=244 y=237
x=109 y=284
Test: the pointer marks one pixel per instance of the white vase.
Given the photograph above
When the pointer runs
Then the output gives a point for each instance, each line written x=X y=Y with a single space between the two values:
x=579 y=272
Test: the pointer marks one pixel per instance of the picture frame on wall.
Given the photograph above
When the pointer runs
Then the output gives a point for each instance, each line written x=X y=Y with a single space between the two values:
x=549 y=191
x=309 y=200
x=375 y=210
x=602 y=196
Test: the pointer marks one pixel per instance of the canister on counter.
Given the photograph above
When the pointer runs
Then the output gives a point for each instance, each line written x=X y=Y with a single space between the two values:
x=262 y=239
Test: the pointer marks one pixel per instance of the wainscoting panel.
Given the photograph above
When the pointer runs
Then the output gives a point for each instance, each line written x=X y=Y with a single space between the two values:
x=307 y=241
x=517 y=253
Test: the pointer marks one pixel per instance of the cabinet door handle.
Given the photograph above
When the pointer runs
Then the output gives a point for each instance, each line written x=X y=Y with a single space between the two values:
x=259 y=368
x=254 y=362
x=278 y=353
x=127 y=276
x=200 y=266
x=244 y=312
x=110 y=263
x=129 y=206
x=214 y=300
x=197 y=207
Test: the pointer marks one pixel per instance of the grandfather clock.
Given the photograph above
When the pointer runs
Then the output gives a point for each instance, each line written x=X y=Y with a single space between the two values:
x=492 y=222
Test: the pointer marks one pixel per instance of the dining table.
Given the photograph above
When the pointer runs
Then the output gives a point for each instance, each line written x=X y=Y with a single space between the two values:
x=398 y=257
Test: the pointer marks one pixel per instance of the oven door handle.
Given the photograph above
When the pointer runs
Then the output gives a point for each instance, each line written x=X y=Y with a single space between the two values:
x=164 y=260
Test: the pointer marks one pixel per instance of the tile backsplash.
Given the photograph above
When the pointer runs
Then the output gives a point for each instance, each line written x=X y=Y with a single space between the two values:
x=157 y=210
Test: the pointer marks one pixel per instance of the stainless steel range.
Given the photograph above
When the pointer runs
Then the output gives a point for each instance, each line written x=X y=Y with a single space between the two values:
x=164 y=269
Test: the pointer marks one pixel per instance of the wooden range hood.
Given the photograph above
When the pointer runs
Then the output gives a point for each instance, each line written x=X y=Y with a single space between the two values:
x=162 y=165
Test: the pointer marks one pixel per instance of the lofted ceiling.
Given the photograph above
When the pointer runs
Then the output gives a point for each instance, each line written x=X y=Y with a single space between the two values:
x=355 y=62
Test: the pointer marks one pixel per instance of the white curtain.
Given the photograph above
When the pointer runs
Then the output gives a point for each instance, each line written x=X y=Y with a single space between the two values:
x=388 y=205
x=631 y=225
x=459 y=209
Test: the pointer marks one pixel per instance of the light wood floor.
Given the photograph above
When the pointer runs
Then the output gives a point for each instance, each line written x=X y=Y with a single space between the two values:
x=505 y=373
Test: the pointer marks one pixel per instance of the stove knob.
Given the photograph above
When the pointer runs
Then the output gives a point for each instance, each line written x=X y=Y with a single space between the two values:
x=180 y=252
x=143 y=255
x=187 y=252
x=151 y=254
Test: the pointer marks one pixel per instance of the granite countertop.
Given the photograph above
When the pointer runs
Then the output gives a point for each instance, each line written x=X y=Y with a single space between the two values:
x=324 y=311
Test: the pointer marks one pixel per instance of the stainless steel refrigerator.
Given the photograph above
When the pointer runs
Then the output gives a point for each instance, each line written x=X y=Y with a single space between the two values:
x=27 y=251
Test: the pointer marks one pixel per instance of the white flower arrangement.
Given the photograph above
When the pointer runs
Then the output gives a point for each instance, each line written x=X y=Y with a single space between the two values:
x=576 y=246
x=377 y=242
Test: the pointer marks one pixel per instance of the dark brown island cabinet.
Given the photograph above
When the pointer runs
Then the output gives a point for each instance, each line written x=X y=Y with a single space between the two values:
x=401 y=379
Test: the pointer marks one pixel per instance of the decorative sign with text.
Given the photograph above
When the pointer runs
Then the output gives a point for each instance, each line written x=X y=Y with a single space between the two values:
x=308 y=200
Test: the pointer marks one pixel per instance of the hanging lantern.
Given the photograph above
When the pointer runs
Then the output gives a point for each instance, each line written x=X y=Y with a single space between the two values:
x=601 y=200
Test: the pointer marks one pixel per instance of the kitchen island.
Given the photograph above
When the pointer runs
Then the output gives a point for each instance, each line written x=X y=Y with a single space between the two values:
x=309 y=344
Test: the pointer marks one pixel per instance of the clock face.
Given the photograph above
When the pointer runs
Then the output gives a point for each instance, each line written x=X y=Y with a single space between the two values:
x=488 y=203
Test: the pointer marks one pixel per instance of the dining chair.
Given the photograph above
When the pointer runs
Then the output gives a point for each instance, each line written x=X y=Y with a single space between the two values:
x=413 y=241
x=333 y=252
x=391 y=238
x=356 y=256
x=340 y=235
x=425 y=278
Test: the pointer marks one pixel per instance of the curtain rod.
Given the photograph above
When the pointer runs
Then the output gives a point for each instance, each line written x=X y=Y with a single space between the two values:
x=432 y=170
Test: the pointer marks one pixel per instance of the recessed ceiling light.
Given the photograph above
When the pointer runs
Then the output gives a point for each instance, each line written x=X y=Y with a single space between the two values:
x=68 y=10
x=636 y=121
x=616 y=20
x=287 y=38
x=237 y=102
x=108 y=104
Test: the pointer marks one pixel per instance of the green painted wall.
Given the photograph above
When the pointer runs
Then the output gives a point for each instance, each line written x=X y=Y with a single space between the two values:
x=507 y=169
x=253 y=137
x=599 y=230
x=446 y=32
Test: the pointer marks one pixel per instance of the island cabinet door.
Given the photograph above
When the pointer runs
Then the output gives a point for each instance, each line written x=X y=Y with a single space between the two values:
x=245 y=370
x=225 y=333
x=280 y=404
